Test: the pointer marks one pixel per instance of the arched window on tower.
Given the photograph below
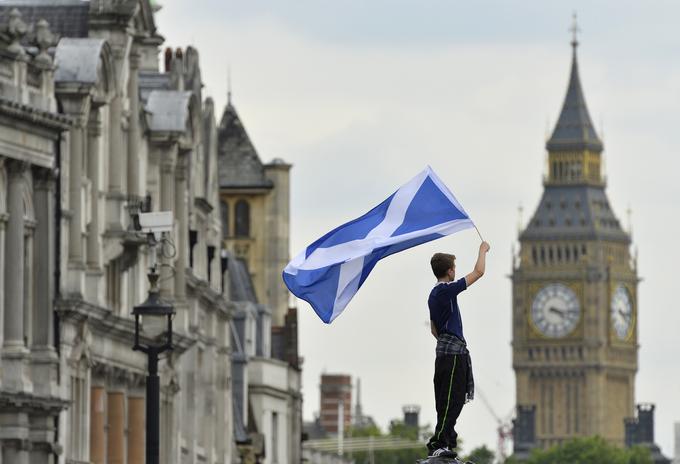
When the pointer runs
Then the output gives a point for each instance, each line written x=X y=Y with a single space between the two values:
x=242 y=224
x=224 y=212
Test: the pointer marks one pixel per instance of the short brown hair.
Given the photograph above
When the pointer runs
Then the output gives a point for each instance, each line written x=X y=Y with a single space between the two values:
x=441 y=263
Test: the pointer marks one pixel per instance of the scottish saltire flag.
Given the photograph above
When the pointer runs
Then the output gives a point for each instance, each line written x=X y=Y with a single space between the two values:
x=329 y=272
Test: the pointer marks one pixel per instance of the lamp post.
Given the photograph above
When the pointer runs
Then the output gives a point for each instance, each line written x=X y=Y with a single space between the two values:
x=156 y=317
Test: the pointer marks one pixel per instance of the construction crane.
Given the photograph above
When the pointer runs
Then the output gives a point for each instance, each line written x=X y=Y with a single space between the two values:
x=503 y=426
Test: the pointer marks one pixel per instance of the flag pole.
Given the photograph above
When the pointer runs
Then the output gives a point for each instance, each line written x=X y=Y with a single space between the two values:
x=480 y=235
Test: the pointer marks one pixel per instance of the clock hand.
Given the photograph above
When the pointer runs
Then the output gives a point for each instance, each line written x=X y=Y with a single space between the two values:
x=556 y=310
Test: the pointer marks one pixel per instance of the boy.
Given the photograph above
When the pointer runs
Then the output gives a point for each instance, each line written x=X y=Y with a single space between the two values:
x=453 y=382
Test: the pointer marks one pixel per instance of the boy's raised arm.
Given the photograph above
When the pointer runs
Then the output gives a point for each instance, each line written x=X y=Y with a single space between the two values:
x=480 y=265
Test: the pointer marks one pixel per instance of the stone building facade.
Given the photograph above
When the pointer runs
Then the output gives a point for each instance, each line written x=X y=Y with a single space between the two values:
x=31 y=134
x=575 y=335
x=92 y=130
x=254 y=207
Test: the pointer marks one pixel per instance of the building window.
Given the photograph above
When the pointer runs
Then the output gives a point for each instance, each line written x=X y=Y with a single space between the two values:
x=275 y=437
x=78 y=411
x=224 y=211
x=113 y=284
x=242 y=224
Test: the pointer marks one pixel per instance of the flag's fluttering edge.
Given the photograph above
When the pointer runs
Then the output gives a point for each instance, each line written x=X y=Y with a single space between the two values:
x=331 y=270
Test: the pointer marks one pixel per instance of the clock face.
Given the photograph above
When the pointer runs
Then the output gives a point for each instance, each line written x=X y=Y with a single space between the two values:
x=622 y=312
x=555 y=310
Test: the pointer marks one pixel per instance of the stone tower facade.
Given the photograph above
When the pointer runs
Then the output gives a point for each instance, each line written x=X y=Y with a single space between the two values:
x=255 y=212
x=575 y=345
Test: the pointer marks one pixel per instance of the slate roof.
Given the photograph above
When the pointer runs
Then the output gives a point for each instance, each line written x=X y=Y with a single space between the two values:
x=574 y=129
x=238 y=161
x=169 y=110
x=574 y=213
x=240 y=283
x=67 y=18
x=77 y=60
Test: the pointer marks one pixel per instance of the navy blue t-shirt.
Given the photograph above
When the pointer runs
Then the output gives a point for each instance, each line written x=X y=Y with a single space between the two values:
x=444 y=311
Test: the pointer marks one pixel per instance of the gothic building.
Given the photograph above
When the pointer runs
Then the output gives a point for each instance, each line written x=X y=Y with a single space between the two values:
x=254 y=206
x=255 y=211
x=91 y=130
x=574 y=325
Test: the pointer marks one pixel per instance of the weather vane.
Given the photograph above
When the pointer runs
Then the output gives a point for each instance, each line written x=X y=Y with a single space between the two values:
x=574 y=29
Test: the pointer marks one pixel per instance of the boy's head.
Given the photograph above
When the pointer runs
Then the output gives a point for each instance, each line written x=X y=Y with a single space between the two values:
x=443 y=265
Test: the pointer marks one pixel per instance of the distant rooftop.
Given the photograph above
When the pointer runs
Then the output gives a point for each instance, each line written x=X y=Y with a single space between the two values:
x=239 y=164
x=67 y=18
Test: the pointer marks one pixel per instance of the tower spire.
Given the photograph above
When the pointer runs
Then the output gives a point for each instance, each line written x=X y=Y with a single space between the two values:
x=228 y=85
x=574 y=29
x=574 y=129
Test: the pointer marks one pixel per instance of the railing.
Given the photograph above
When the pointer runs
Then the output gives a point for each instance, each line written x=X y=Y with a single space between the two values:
x=363 y=444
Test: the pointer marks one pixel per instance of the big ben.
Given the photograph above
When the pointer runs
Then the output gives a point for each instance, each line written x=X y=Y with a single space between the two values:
x=575 y=344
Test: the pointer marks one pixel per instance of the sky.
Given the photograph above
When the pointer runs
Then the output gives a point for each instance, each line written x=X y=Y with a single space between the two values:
x=360 y=96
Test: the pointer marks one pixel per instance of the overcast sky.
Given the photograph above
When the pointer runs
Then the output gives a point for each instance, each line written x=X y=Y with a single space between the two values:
x=359 y=96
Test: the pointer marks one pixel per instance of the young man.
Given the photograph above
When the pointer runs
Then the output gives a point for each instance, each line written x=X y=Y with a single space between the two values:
x=453 y=381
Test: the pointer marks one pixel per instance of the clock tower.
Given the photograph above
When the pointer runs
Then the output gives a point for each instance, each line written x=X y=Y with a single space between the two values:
x=574 y=288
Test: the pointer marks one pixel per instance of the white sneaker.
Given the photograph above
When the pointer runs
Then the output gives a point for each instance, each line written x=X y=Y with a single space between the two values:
x=443 y=453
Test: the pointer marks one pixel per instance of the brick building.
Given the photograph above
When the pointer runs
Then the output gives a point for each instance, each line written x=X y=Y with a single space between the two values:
x=335 y=388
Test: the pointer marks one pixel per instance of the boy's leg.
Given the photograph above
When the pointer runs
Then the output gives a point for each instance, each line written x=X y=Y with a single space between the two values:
x=444 y=366
x=457 y=400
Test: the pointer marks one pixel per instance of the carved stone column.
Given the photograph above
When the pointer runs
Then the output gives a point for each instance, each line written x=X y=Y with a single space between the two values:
x=14 y=351
x=75 y=249
x=75 y=101
x=168 y=161
x=3 y=227
x=45 y=362
x=117 y=165
x=94 y=243
x=182 y=221
x=133 y=127
x=94 y=274
x=76 y=264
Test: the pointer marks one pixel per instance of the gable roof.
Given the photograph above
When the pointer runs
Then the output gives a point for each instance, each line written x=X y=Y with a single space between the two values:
x=239 y=164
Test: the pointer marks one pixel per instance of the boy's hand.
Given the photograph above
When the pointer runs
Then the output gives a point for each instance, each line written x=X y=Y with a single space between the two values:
x=480 y=265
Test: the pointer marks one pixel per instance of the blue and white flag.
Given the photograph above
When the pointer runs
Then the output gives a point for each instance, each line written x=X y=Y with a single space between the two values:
x=329 y=272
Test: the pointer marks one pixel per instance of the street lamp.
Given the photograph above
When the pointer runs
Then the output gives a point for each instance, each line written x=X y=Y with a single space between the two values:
x=156 y=317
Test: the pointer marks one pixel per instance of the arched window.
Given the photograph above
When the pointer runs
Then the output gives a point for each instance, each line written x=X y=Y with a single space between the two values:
x=242 y=224
x=224 y=211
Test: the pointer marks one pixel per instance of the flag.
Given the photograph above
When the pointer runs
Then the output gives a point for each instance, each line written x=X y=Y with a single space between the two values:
x=329 y=272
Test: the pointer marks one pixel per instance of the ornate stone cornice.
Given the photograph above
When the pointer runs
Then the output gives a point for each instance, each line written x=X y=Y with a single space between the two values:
x=114 y=375
x=102 y=322
x=26 y=402
x=32 y=115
